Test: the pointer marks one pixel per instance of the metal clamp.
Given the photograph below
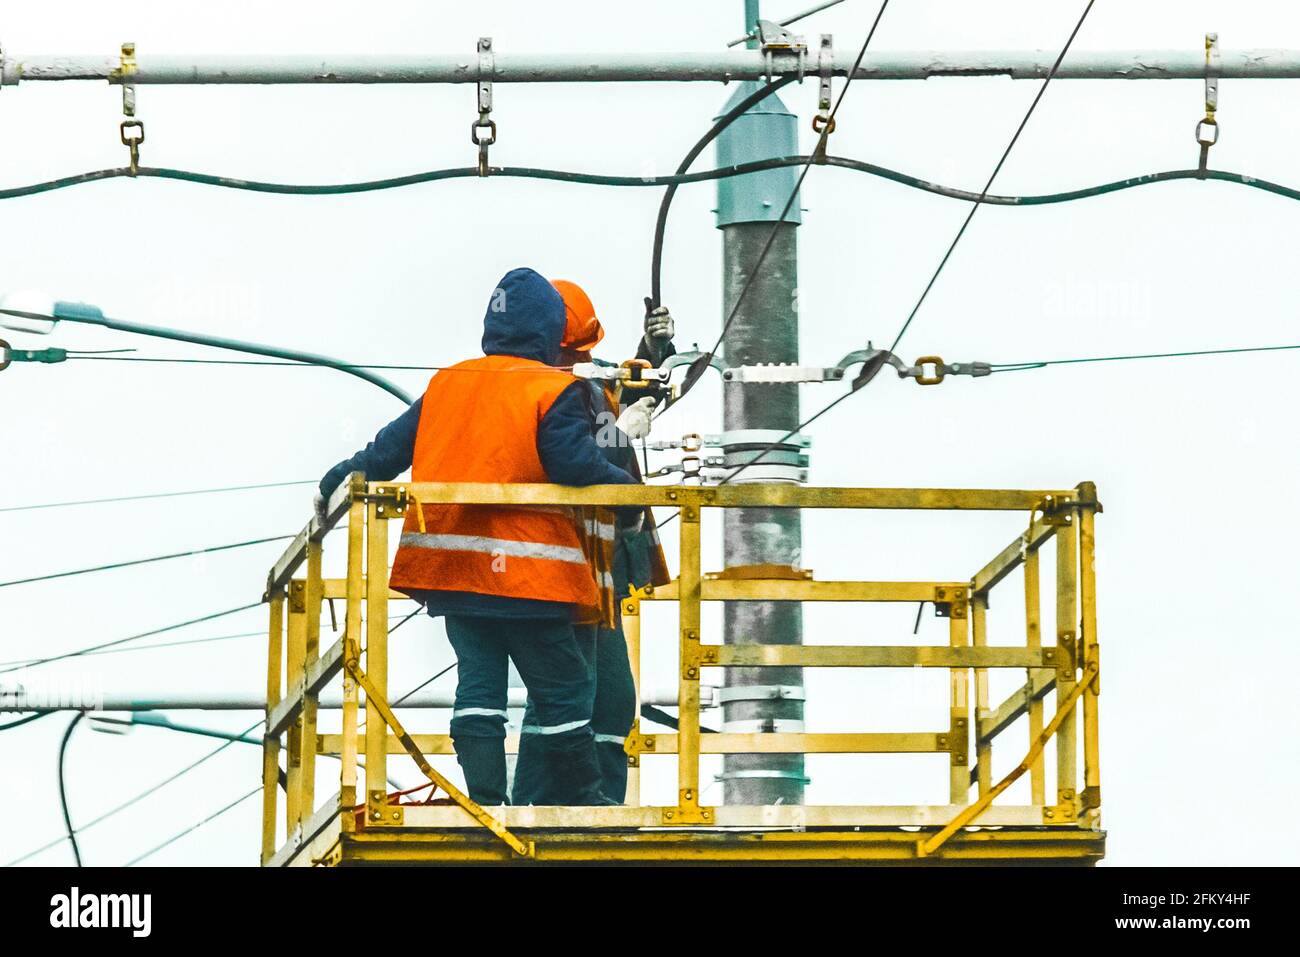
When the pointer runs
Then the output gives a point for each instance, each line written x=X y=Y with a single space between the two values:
x=131 y=130
x=927 y=370
x=763 y=773
x=484 y=123
x=774 y=38
x=760 y=693
x=636 y=373
x=640 y=376
x=1207 y=130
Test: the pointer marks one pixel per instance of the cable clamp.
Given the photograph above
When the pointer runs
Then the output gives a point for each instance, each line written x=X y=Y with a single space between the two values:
x=774 y=38
x=1207 y=130
x=131 y=130
x=483 y=131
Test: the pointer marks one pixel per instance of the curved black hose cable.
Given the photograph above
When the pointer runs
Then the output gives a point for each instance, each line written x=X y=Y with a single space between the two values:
x=25 y=720
x=599 y=179
x=63 y=791
x=661 y=221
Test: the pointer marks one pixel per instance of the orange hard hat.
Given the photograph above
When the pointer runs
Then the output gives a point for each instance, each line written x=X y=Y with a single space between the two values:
x=582 y=330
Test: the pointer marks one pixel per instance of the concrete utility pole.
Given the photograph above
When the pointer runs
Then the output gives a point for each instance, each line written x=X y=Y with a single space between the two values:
x=765 y=329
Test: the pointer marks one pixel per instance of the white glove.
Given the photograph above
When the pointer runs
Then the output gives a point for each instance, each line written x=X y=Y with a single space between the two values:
x=319 y=504
x=635 y=420
x=659 y=326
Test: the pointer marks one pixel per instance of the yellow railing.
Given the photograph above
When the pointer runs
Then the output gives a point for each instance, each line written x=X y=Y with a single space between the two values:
x=1066 y=827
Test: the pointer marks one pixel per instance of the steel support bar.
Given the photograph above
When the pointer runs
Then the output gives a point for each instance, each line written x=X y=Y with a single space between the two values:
x=996 y=720
x=318 y=674
x=384 y=714
x=794 y=589
x=757 y=743
x=876 y=656
x=723 y=66
x=1011 y=557
x=727 y=496
x=736 y=815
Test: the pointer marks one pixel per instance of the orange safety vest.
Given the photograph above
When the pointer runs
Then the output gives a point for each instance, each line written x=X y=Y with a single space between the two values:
x=478 y=426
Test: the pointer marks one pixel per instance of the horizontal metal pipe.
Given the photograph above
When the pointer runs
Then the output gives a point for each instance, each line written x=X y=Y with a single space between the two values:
x=723 y=66
x=55 y=698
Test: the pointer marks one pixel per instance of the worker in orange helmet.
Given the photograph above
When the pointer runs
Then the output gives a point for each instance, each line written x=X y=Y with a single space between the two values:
x=637 y=558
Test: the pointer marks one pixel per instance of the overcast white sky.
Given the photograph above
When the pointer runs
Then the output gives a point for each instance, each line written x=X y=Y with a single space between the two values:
x=1192 y=457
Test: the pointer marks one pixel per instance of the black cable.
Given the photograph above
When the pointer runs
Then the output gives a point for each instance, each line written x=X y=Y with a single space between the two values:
x=659 y=716
x=137 y=498
x=63 y=791
x=869 y=373
x=697 y=368
x=144 y=561
x=425 y=683
x=193 y=827
x=992 y=176
x=28 y=719
x=741 y=169
x=661 y=221
x=120 y=641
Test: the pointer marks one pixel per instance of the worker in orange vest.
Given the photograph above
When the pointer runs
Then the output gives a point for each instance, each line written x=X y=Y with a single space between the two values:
x=510 y=580
x=637 y=557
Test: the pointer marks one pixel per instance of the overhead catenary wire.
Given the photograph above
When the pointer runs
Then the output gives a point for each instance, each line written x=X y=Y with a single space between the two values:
x=192 y=828
x=171 y=644
x=771 y=447
x=121 y=641
x=1015 y=137
x=154 y=495
x=144 y=561
x=698 y=367
x=1042 y=364
x=211 y=817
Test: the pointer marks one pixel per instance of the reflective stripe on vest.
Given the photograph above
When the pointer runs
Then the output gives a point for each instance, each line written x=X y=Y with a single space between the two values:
x=494 y=546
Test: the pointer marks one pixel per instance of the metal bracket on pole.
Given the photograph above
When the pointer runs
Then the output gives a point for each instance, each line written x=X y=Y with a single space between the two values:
x=131 y=130
x=1207 y=130
x=774 y=38
x=486 y=70
x=761 y=693
x=823 y=123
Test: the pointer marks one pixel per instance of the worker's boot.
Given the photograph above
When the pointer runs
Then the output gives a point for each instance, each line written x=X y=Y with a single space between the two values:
x=531 y=771
x=613 y=770
x=573 y=772
x=484 y=762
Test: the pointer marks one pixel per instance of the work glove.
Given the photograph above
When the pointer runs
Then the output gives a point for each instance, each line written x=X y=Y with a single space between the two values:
x=319 y=505
x=635 y=420
x=659 y=327
x=659 y=330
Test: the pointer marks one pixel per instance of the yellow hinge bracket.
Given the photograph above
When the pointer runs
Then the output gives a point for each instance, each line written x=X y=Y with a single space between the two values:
x=688 y=810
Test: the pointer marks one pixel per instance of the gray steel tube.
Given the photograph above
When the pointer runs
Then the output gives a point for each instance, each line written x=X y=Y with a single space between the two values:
x=182 y=70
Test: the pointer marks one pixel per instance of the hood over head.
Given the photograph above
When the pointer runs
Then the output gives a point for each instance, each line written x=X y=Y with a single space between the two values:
x=524 y=318
x=582 y=330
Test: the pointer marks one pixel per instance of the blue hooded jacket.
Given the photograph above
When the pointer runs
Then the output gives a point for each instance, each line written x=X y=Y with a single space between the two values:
x=524 y=318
